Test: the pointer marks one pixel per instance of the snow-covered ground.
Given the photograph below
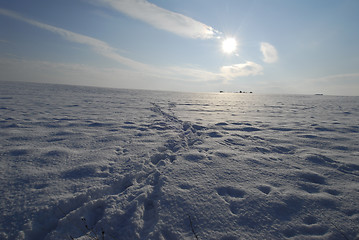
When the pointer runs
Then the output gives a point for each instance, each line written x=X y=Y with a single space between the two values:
x=80 y=161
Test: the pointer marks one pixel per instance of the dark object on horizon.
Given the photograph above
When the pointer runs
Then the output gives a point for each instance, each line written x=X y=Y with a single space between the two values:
x=220 y=91
x=243 y=92
x=319 y=94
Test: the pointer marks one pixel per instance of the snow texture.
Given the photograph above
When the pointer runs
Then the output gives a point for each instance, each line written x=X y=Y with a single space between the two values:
x=87 y=163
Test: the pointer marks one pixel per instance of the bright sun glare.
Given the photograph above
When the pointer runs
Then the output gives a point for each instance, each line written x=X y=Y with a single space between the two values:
x=229 y=45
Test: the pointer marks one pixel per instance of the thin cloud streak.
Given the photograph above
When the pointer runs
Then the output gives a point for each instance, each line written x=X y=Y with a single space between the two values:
x=98 y=46
x=270 y=54
x=162 y=18
x=177 y=73
x=105 y=50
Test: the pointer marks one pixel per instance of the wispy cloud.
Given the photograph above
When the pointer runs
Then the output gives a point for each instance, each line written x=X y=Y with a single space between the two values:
x=241 y=70
x=270 y=54
x=162 y=18
x=98 y=46
x=142 y=71
x=102 y=48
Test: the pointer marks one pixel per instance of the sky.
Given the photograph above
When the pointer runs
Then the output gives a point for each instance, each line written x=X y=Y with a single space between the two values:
x=263 y=46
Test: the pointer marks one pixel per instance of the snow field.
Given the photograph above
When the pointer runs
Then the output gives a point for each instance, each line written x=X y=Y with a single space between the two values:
x=141 y=164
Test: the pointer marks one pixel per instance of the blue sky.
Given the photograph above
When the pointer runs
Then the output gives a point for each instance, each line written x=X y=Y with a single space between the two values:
x=282 y=46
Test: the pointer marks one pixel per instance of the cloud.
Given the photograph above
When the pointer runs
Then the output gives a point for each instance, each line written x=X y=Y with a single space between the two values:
x=144 y=73
x=241 y=70
x=98 y=46
x=102 y=48
x=269 y=52
x=161 y=18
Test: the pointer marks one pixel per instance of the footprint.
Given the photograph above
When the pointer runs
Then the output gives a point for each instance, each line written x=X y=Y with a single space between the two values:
x=128 y=127
x=348 y=168
x=320 y=159
x=310 y=228
x=158 y=157
x=310 y=187
x=198 y=127
x=194 y=157
x=234 y=208
x=221 y=124
x=234 y=141
x=215 y=135
x=185 y=186
x=314 y=229
x=240 y=123
x=223 y=154
x=332 y=192
x=57 y=153
x=312 y=177
x=250 y=129
x=265 y=189
x=121 y=150
x=231 y=192
x=309 y=220
x=19 y=152
x=283 y=150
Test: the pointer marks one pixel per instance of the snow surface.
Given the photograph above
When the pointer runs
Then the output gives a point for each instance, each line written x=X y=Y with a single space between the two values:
x=79 y=161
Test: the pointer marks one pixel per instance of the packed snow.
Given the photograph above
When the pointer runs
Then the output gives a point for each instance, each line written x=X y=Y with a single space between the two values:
x=93 y=163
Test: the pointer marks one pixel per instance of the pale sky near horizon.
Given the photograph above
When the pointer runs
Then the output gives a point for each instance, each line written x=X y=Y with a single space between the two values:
x=276 y=46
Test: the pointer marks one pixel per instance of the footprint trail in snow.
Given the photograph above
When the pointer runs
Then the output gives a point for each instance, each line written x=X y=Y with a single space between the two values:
x=140 y=164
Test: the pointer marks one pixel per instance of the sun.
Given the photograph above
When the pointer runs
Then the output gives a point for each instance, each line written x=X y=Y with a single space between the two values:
x=229 y=45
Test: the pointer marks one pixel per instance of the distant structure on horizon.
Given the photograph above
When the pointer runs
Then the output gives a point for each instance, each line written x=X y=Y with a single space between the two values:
x=237 y=92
